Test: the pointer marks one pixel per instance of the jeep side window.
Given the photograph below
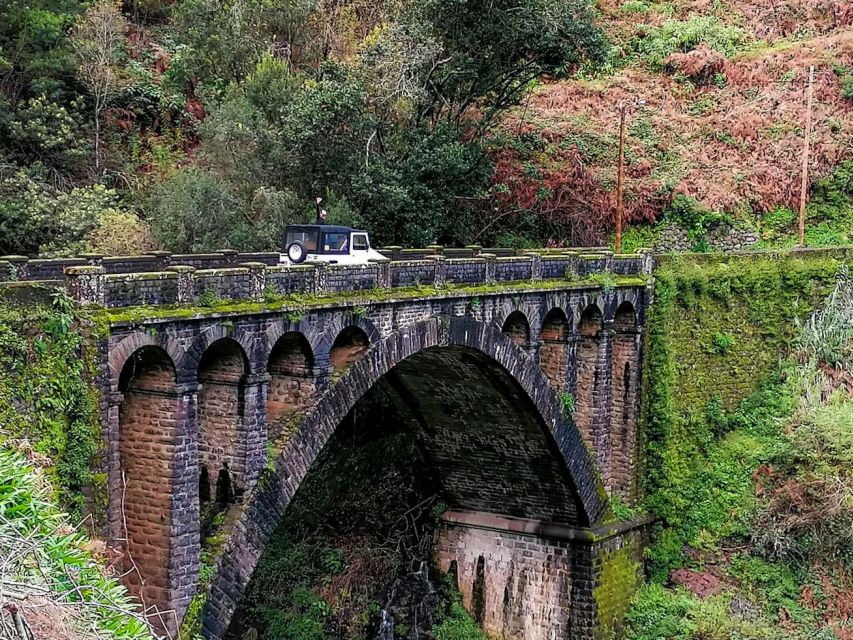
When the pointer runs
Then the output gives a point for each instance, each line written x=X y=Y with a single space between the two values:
x=335 y=242
x=359 y=242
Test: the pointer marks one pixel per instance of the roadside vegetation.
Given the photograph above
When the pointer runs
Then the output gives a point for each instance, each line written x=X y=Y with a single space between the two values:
x=55 y=583
x=756 y=507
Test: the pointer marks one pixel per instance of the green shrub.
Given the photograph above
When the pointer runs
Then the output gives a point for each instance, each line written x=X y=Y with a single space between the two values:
x=44 y=394
x=722 y=342
x=674 y=36
x=45 y=558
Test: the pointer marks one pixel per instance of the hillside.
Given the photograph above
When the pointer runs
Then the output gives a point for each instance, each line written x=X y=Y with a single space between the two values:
x=193 y=126
x=724 y=89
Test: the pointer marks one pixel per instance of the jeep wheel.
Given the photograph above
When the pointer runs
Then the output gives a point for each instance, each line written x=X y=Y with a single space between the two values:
x=296 y=252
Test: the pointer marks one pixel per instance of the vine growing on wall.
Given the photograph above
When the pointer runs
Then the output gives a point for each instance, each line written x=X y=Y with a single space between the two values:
x=46 y=402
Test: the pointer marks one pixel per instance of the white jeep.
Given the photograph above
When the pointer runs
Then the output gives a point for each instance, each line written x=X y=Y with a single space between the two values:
x=326 y=243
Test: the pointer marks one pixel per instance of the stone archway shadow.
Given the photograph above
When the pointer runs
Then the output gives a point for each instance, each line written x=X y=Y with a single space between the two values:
x=279 y=484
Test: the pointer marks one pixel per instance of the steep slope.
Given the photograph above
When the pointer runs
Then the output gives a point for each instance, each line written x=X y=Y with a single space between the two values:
x=724 y=89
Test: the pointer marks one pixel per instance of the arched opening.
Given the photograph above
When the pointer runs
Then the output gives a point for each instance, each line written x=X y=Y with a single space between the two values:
x=204 y=486
x=623 y=417
x=291 y=386
x=347 y=348
x=588 y=373
x=517 y=328
x=224 y=491
x=553 y=349
x=447 y=430
x=149 y=417
x=222 y=442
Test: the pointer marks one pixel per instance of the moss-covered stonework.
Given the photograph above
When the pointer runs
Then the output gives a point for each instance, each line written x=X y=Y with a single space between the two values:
x=619 y=573
x=298 y=303
x=717 y=328
x=48 y=404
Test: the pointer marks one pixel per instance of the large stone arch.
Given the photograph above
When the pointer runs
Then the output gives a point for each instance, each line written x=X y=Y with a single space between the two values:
x=273 y=494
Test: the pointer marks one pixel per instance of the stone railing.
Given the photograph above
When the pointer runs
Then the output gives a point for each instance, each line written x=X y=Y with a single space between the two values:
x=162 y=278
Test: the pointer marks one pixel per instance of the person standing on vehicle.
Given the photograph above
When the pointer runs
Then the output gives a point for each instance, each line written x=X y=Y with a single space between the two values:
x=321 y=213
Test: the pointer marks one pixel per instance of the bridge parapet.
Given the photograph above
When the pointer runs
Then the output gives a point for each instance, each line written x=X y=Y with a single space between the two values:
x=164 y=279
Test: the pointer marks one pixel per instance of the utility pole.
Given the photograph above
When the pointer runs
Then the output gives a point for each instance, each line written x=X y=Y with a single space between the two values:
x=620 y=178
x=805 y=176
x=620 y=175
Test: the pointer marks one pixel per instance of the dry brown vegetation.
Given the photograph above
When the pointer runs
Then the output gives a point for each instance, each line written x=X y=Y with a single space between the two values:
x=725 y=128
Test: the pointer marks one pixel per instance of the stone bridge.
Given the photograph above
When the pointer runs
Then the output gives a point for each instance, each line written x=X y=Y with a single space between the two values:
x=519 y=374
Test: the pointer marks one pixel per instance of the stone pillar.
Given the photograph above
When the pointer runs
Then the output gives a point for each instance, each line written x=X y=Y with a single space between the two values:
x=440 y=271
x=572 y=268
x=19 y=270
x=475 y=249
x=319 y=278
x=114 y=476
x=185 y=556
x=436 y=249
x=572 y=366
x=258 y=280
x=85 y=285
x=608 y=261
x=162 y=259
x=383 y=273
x=322 y=373
x=647 y=261
x=254 y=435
x=535 y=265
x=186 y=283
x=607 y=570
x=491 y=263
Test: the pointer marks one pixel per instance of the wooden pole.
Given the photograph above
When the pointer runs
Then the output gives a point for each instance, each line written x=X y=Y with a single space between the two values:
x=620 y=179
x=805 y=177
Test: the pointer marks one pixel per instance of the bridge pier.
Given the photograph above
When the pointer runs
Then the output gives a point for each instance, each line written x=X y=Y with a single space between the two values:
x=523 y=578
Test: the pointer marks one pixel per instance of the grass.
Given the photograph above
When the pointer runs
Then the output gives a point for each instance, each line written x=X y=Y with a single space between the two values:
x=47 y=564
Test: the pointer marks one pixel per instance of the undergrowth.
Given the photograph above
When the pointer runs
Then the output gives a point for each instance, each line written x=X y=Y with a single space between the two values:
x=46 y=402
x=51 y=584
x=756 y=502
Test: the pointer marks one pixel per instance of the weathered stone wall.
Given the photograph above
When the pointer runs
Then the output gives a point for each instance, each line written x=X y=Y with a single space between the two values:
x=514 y=585
x=674 y=238
x=149 y=416
x=536 y=580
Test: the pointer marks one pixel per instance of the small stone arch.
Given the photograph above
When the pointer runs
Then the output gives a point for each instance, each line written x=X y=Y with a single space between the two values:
x=149 y=434
x=189 y=365
x=621 y=476
x=589 y=371
x=270 y=499
x=223 y=369
x=349 y=345
x=292 y=386
x=517 y=327
x=121 y=353
x=554 y=347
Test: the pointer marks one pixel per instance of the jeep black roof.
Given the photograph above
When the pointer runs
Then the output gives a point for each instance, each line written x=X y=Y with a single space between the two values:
x=326 y=228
